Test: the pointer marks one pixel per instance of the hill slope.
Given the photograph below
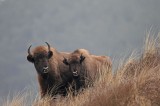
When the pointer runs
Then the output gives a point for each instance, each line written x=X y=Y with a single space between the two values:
x=136 y=82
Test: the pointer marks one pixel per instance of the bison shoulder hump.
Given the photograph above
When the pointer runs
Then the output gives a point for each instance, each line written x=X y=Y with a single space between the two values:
x=81 y=51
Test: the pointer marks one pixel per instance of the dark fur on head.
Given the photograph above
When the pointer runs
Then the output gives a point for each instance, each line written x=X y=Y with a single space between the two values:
x=53 y=75
x=75 y=63
x=40 y=59
x=85 y=67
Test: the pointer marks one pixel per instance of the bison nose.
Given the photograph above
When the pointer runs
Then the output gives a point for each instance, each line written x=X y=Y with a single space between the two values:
x=45 y=69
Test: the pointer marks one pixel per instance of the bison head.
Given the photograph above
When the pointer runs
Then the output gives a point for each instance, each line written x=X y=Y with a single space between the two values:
x=75 y=64
x=40 y=60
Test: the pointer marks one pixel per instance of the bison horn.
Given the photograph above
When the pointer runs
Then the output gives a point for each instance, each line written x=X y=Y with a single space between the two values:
x=29 y=52
x=30 y=57
x=50 y=53
x=48 y=46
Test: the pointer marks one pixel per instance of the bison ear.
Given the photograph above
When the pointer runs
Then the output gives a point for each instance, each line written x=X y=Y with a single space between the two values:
x=65 y=61
x=82 y=58
x=50 y=54
x=30 y=58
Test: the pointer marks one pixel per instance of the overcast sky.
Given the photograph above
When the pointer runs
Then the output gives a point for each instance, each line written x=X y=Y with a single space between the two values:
x=104 y=27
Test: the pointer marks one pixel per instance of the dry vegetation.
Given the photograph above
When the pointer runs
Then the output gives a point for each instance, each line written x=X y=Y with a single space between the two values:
x=135 y=83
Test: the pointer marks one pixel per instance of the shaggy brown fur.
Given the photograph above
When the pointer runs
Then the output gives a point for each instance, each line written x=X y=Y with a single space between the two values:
x=57 y=79
x=87 y=66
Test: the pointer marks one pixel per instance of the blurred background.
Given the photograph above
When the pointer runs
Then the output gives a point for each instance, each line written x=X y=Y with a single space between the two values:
x=104 y=27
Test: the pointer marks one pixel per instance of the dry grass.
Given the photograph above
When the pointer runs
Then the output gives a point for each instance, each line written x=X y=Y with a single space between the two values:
x=135 y=83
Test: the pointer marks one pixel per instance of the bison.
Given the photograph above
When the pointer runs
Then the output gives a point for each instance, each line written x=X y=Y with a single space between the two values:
x=54 y=77
x=85 y=67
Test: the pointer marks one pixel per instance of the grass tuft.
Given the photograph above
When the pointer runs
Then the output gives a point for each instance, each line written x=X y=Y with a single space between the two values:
x=136 y=82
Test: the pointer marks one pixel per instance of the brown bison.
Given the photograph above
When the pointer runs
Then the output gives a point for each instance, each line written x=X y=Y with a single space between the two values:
x=86 y=67
x=53 y=76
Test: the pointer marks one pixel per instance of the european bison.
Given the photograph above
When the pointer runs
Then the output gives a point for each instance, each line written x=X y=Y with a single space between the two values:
x=53 y=76
x=86 y=67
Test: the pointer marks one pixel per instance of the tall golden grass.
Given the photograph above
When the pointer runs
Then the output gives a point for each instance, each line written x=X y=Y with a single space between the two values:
x=135 y=83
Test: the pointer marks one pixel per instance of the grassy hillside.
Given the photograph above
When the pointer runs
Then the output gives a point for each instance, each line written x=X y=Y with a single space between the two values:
x=136 y=82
